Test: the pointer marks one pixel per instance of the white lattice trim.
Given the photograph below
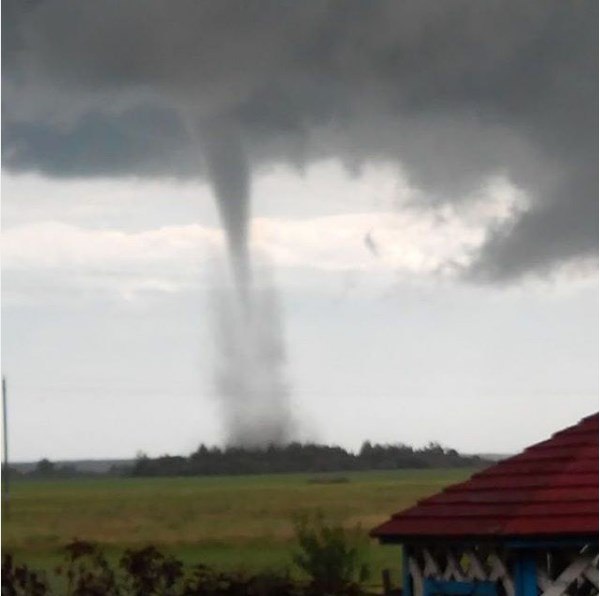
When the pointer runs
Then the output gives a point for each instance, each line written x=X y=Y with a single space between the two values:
x=467 y=565
x=431 y=569
x=416 y=575
x=591 y=574
x=453 y=568
x=577 y=569
x=499 y=572
x=476 y=569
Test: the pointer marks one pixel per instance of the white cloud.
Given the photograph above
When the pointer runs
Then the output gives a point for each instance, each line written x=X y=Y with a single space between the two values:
x=413 y=242
x=421 y=242
x=54 y=244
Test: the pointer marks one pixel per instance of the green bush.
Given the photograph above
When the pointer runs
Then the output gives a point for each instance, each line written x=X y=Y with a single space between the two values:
x=19 y=580
x=332 y=556
x=148 y=572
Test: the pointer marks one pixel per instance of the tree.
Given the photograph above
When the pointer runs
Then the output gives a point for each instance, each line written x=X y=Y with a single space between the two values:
x=45 y=468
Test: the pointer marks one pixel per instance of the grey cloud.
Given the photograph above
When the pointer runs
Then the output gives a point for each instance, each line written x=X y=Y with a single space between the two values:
x=454 y=91
x=562 y=227
x=146 y=141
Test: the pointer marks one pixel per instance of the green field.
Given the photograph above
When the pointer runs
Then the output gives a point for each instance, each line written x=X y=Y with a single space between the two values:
x=242 y=522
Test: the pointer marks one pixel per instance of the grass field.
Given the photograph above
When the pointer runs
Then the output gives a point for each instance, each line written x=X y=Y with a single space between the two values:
x=242 y=522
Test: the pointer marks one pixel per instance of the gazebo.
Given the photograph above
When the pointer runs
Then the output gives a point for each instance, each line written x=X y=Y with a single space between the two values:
x=527 y=526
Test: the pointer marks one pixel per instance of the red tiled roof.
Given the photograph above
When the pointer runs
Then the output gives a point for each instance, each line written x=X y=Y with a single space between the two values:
x=549 y=490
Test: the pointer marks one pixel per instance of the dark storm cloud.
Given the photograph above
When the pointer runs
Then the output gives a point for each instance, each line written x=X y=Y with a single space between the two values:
x=454 y=91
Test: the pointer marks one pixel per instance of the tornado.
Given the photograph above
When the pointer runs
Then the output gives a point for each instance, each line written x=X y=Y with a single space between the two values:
x=249 y=374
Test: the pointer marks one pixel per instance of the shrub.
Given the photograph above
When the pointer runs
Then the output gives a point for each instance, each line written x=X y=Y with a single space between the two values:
x=19 y=580
x=87 y=571
x=150 y=572
x=330 y=555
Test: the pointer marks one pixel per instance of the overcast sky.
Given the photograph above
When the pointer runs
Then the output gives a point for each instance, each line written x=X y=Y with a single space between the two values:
x=421 y=180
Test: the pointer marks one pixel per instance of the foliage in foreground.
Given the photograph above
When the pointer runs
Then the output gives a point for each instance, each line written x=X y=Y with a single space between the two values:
x=329 y=555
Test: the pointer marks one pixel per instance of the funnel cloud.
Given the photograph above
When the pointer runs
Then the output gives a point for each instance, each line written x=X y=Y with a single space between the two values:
x=227 y=169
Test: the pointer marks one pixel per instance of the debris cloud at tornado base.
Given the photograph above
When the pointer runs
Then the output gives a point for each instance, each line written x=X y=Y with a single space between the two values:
x=250 y=368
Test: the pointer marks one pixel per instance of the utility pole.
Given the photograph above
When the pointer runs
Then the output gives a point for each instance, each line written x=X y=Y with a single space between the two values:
x=5 y=472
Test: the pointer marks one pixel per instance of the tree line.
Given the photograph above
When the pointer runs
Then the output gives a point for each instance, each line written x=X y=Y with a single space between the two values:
x=301 y=457
x=274 y=459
